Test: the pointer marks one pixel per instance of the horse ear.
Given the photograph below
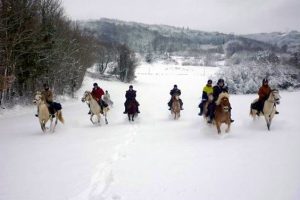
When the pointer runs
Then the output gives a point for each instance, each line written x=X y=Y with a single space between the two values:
x=38 y=93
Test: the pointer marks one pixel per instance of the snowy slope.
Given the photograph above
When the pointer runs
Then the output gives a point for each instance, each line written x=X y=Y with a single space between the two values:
x=155 y=157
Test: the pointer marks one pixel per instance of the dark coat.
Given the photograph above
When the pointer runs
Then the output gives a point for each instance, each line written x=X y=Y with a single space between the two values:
x=175 y=92
x=130 y=94
x=217 y=90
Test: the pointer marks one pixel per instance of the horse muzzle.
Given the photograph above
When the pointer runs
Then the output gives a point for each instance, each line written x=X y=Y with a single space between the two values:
x=83 y=100
x=226 y=108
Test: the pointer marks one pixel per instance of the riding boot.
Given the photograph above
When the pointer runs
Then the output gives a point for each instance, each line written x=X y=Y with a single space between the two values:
x=125 y=112
x=210 y=120
x=101 y=107
x=200 y=113
x=276 y=112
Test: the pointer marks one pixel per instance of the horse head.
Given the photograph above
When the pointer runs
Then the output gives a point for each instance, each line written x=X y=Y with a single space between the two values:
x=37 y=98
x=223 y=101
x=275 y=96
x=86 y=96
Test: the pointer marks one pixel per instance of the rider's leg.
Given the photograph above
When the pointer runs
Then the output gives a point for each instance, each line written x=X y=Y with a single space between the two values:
x=211 y=110
x=125 y=105
x=181 y=103
x=170 y=103
x=201 y=107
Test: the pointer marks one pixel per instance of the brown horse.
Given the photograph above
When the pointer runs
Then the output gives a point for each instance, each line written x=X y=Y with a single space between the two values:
x=175 y=108
x=131 y=110
x=222 y=112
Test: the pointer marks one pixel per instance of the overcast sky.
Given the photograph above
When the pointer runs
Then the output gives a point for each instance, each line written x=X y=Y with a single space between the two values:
x=228 y=16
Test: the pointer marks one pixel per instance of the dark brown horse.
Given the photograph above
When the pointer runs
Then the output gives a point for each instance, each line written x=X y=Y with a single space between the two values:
x=222 y=112
x=131 y=110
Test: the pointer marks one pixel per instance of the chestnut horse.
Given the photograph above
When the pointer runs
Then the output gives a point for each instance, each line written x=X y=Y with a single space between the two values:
x=222 y=112
x=269 y=108
x=44 y=114
x=175 y=108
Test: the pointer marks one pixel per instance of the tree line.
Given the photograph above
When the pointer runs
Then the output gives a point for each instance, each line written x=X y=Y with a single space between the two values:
x=38 y=44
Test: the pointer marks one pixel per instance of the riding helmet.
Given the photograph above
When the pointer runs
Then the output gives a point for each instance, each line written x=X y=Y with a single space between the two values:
x=265 y=80
x=175 y=86
x=95 y=84
x=209 y=81
x=220 y=80
x=130 y=86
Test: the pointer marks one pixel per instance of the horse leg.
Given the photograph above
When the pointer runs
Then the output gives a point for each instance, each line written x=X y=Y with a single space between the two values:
x=128 y=116
x=55 y=123
x=218 y=124
x=106 y=122
x=98 y=117
x=43 y=126
x=268 y=122
x=91 y=118
x=228 y=127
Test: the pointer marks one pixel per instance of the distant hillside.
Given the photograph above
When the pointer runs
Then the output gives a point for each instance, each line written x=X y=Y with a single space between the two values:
x=289 y=41
x=161 y=38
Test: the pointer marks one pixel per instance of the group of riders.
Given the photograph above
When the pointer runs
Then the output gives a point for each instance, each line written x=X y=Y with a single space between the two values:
x=101 y=97
x=263 y=93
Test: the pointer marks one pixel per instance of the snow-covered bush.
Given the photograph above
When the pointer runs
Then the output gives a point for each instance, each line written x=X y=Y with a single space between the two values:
x=247 y=79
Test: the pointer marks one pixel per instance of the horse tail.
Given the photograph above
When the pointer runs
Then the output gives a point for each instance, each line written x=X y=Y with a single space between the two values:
x=60 y=117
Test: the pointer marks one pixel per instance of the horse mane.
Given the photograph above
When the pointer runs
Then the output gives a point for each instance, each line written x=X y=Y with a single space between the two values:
x=222 y=95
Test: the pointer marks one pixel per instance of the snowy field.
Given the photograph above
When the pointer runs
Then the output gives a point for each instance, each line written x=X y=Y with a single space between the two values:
x=155 y=157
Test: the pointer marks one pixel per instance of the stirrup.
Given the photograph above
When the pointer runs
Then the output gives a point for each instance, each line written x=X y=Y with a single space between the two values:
x=36 y=115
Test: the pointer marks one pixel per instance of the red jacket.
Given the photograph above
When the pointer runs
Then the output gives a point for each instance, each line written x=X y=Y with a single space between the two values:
x=264 y=92
x=97 y=93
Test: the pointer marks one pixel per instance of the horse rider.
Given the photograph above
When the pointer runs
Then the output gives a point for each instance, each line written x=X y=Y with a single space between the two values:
x=106 y=98
x=207 y=90
x=175 y=91
x=47 y=96
x=130 y=96
x=263 y=94
x=217 y=90
x=97 y=94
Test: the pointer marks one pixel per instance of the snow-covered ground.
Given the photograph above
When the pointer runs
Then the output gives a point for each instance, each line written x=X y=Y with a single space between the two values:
x=154 y=157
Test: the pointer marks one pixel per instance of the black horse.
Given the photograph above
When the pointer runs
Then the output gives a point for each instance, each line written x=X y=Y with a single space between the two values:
x=131 y=110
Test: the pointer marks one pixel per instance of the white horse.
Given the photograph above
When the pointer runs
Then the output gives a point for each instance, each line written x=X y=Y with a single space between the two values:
x=44 y=114
x=269 y=108
x=94 y=106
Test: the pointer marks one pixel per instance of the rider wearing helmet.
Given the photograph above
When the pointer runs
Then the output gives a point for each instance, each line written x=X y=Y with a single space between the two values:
x=207 y=90
x=173 y=92
x=217 y=90
x=263 y=94
x=130 y=96
x=97 y=94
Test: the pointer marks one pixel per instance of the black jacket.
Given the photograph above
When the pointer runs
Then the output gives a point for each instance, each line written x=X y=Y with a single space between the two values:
x=130 y=95
x=175 y=91
x=217 y=90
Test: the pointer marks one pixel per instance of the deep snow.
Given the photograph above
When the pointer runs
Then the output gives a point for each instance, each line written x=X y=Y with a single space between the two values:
x=154 y=157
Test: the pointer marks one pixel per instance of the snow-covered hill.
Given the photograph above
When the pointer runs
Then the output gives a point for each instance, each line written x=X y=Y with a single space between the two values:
x=155 y=157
